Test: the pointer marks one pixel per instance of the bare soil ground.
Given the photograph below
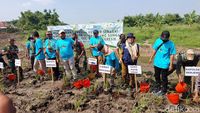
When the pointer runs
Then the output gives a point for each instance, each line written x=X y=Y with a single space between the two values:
x=35 y=95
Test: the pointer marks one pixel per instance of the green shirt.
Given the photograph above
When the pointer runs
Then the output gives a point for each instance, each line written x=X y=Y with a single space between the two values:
x=10 y=49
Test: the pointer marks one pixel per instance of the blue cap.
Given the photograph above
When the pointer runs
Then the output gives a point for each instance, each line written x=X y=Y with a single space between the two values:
x=130 y=35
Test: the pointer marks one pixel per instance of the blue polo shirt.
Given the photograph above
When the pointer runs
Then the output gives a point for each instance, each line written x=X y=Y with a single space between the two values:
x=31 y=48
x=95 y=41
x=50 y=45
x=38 y=46
x=162 y=57
x=112 y=60
x=65 y=48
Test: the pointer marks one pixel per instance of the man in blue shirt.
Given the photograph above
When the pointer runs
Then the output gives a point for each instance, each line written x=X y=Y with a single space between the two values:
x=94 y=41
x=39 y=53
x=50 y=51
x=30 y=49
x=163 y=54
x=64 y=51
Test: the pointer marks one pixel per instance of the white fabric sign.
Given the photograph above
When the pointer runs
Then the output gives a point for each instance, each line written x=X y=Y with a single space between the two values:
x=92 y=61
x=104 y=69
x=192 y=71
x=50 y=63
x=134 y=69
x=1 y=65
x=18 y=62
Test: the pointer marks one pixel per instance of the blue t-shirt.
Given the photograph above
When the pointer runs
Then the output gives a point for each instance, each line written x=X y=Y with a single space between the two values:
x=95 y=41
x=112 y=60
x=50 y=45
x=38 y=46
x=162 y=57
x=65 y=48
x=31 y=47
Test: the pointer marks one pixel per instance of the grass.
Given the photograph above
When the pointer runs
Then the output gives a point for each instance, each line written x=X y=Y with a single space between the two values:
x=181 y=35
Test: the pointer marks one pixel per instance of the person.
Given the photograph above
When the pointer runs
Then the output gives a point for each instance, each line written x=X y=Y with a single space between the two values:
x=6 y=104
x=183 y=59
x=197 y=88
x=110 y=60
x=94 y=41
x=30 y=50
x=130 y=55
x=50 y=52
x=11 y=52
x=122 y=40
x=163 y=55
x=64 y=47
x=2 y=60
x=80 y=54
x=39 y=53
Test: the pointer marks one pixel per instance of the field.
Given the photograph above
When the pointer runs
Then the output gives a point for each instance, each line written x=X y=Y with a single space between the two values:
x=35 y=95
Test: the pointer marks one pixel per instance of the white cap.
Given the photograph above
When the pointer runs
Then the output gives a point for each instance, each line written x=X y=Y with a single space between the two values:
x=61 y=31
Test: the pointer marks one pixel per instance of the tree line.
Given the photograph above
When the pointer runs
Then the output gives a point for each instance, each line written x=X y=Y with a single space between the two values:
x=37 y=20
x=157 y=20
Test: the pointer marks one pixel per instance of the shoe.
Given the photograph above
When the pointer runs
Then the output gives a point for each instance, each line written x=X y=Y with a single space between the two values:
x=156 y=90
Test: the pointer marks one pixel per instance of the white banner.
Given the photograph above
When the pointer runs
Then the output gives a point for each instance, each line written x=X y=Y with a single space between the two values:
x=192 y=71
x=104 y=69
x=109 y=31
x=50 y=63
x=134 y=69
x=92 y=61
x=18 y=62
x=1 y=65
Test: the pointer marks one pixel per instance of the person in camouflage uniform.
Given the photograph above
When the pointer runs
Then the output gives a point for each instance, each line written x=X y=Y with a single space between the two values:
x=11 y=52
x=80 y=54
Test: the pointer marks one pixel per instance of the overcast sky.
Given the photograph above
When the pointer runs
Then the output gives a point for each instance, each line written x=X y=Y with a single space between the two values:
x=86 y=11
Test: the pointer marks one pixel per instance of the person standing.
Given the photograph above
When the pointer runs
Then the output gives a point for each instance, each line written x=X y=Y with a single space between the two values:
x=122 y=40
x=39 y=53
x=50 y=51
x=30 y=50
x=130 y=52
x=94 y=41
x=80 y=54
x=11 y=52
x=64 y=47
x=163 y=55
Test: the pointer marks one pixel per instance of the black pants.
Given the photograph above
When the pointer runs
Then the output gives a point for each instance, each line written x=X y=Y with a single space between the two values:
x=32 y=61
x=55 y=69
x=77 y=65
x=161 y=74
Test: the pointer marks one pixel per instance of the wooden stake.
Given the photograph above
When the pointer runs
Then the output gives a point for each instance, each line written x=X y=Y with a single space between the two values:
x=192 y=85
x=52 y=75
x=136 y=86
x=18 y=73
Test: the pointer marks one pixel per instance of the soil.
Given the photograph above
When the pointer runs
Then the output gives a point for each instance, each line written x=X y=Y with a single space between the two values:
x=35 y=95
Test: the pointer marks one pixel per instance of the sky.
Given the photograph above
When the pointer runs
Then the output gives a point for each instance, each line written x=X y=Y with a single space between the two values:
x=96 y=11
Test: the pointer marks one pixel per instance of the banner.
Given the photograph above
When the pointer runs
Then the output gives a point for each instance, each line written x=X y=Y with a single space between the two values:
x=109 y=31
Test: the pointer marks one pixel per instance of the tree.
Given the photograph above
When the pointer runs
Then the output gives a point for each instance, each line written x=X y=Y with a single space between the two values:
x=191 y=18
x=37 y=20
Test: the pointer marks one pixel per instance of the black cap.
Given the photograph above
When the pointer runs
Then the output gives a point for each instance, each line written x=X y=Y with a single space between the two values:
x=165 y=35
x=95 y=31
x=99 y=47
x=130 y=35
x=35 y=34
